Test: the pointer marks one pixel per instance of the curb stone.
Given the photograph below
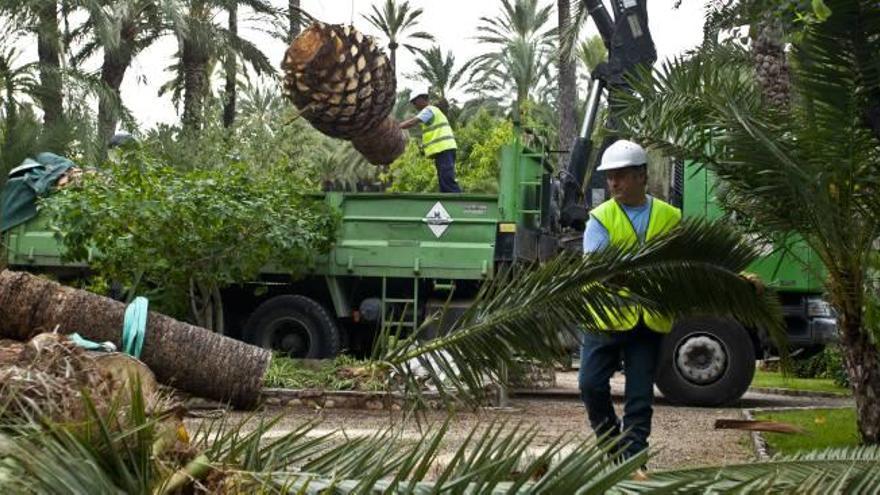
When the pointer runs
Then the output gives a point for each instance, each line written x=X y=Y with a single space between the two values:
x=799 y=393
x=759 y=443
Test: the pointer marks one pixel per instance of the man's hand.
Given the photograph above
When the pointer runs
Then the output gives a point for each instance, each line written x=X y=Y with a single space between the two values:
x=406 y=124
x=756 y=282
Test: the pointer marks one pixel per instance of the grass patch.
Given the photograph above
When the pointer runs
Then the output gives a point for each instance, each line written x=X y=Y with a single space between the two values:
x=824 y=428
x=774 y=379
x=341 y=373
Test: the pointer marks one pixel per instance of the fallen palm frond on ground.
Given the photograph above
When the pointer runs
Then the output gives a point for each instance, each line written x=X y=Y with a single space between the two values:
x=341 y=373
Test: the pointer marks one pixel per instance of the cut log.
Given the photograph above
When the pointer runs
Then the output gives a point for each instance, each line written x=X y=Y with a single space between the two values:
x=181 y=355
x=343 y=84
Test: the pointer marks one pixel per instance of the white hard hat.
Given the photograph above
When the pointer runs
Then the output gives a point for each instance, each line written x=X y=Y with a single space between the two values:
x=623 y=154
x=415 y=93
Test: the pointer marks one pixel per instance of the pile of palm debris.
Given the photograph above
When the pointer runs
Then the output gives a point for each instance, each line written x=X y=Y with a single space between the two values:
x=51 y=378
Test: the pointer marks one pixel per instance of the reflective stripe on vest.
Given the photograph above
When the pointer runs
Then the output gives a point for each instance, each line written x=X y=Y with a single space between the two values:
x=437 y=136
x=662 y=218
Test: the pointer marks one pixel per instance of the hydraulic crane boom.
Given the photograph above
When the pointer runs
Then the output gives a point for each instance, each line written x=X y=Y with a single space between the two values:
x=629 y=44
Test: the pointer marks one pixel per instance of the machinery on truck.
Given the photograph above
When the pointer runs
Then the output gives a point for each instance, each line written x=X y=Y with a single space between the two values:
x=399 y=257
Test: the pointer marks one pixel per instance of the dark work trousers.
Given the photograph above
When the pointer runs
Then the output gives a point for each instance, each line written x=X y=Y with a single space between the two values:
x=600 y=358
x=445 y=163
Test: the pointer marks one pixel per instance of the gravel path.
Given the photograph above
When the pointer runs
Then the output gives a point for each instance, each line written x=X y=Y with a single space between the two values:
x=682 y=436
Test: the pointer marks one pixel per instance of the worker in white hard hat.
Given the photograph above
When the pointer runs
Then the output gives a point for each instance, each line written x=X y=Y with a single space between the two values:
x=631 y=217
x=438 y=141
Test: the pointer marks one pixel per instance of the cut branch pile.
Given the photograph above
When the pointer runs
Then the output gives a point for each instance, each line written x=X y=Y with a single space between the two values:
x=343 y=84
x=181 y=355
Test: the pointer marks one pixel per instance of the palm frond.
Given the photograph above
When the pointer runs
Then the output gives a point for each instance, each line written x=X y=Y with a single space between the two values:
x=493 y=459
x=817 y=153
x=835 y=470
x=693 y=270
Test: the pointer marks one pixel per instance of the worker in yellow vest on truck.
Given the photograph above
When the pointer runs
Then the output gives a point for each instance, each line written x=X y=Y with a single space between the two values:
x=438 y=141
x=631 y=217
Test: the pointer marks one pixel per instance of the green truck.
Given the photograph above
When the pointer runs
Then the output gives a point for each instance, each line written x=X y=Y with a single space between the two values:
x=397 y=258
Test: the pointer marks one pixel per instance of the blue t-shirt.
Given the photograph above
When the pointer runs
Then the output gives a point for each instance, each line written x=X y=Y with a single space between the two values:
x=425 y=115
x=596 y=235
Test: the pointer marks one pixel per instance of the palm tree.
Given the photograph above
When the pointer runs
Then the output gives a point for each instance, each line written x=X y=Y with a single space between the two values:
x=438 y=71
x=567 y=87
x=202 y=43
x=122 y=30
x=395 y=21
x=230 y=67
x=521 y=19
x=810 y=168
x=19 y=134
x=49 y=53
x=523 y=64
x=40 y=17
x=590 y=53
x=521 y=48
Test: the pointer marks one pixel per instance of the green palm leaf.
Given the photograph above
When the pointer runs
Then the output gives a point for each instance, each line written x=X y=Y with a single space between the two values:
x=693 y=270
x=837 y=470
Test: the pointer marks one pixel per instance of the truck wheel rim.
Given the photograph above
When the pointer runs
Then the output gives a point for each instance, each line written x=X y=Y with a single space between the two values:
x=290 y=336
x=701 y=359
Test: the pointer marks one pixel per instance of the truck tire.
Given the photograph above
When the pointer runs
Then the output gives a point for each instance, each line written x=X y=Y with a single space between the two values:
x=295 y=325
x=706 y=362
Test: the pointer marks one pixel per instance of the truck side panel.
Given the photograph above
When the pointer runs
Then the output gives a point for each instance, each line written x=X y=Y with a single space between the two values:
x=792 y=267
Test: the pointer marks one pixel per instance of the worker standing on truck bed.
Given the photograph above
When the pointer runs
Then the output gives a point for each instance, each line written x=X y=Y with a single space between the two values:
x=438 y=140
x=630 y=217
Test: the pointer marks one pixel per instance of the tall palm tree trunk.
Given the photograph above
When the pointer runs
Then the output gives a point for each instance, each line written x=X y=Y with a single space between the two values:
x=49 y=53
x=195 y=84
x=567 y=98
x=230 y=67
x=862 y=360
x=194 y=61
x=113 y=69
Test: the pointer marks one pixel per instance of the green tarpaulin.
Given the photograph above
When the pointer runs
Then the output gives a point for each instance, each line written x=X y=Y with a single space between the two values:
x=27 y=182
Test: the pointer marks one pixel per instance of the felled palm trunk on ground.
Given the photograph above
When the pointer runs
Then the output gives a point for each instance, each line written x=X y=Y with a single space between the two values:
x=184 y=356
x=343 y=84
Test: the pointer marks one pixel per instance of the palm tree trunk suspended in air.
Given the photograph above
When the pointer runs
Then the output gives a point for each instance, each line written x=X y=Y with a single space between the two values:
x=342 y=83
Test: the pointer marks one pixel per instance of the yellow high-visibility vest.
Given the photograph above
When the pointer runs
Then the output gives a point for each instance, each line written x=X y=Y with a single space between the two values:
x=437 y=134
x=662 y=218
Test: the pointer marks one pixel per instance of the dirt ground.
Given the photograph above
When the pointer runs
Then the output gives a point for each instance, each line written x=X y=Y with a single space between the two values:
x=681 y=436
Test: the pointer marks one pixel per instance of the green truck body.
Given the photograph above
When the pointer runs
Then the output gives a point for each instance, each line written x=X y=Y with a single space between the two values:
x=397 y=257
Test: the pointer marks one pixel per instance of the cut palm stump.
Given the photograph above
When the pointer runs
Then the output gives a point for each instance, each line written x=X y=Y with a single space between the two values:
x=343 y=84
x=181 y=355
